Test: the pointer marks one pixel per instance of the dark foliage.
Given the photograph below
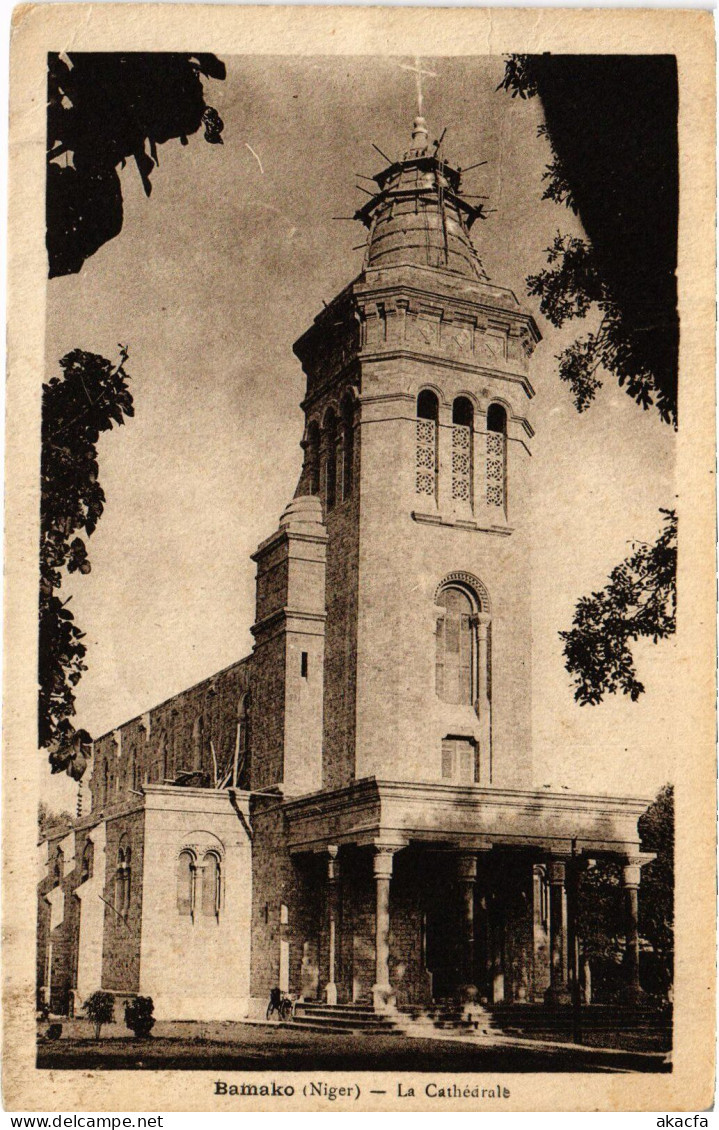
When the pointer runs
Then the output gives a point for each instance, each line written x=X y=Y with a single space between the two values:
x=100 y=1008
x=138 y=1016
x=600 y=908
x=104 y=108
x=48 y=821
x=656 y=828
x=639 y=602
x=77 y=407
x=611 y=121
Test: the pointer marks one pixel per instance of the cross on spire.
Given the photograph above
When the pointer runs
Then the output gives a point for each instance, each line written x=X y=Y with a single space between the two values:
x=418 y=71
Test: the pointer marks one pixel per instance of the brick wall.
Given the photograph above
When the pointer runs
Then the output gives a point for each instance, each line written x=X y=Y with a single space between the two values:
x=178 y=735
x=121 y=937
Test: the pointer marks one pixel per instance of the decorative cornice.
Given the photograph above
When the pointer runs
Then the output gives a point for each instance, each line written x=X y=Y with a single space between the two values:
x=461 y=524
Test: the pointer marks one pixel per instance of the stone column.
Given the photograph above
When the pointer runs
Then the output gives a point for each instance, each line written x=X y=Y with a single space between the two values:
x=558 y=991
x=382 y=994
x=484 y=705
x=631 y=876
x=467 y=878
x=333 y=875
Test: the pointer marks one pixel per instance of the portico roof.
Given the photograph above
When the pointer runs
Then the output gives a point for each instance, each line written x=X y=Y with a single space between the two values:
x=463 y=816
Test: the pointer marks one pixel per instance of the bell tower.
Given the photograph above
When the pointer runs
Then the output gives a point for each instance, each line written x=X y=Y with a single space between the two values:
x=417 y=444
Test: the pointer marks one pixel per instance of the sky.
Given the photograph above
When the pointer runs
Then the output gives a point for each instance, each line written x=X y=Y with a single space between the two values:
x=211 y=281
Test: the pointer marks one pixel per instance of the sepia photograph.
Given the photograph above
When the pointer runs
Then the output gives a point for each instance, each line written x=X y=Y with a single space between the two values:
x=357 y=706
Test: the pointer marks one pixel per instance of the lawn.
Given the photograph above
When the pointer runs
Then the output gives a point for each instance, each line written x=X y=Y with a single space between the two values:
x=234 y=1046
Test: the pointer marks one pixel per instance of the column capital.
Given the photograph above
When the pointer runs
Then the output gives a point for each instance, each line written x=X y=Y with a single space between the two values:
x=467 y=867
x=382 y=863
x=557 y=871
x=333 y=867
x=632 y=868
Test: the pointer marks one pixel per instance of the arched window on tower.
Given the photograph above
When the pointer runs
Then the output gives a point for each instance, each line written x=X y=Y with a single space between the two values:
x=186 y=884
x=456 y=647
x=426 y=451
x=462 y=449
x=312 y=457
x=211 y=885
x=330 y=459
x=348 y=435
x=497 y=456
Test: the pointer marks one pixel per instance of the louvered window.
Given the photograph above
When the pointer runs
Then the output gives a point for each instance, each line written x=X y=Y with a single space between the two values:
x=462 y=436
x=496 y=456
x=455 y=647
x=459 y=761
x=426 y=444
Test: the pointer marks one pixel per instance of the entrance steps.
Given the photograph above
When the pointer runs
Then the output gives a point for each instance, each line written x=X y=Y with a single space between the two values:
x=357 y=1017
x=448 y=1015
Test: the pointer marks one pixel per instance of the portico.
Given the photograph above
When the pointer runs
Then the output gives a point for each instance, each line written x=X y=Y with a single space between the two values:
x=437 y=891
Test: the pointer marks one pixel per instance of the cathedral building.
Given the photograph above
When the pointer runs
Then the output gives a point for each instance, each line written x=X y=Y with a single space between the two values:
x=348 y=812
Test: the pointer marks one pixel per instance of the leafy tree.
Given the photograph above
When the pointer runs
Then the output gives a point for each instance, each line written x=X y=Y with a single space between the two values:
x=48 y=821
x=600 y=907
x=611 y=122
x=656 y=897
x=600 y=922
x=138 y=1016
x=639 y=602
x=104 y=108
x=100 y=1008
x=89 y=396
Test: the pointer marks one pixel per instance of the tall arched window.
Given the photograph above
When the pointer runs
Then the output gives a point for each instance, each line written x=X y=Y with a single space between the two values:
x=242 y=758
x=456 y=647
x=426 y=451
x=348 y=435
x=312 y=457
x=58 y=866
x=88 y=858
x=123 y=877
x=496 y=456
x=186 y=884
x=330 y=459
x=198 y=741
x=462 y=449
x=211 y=885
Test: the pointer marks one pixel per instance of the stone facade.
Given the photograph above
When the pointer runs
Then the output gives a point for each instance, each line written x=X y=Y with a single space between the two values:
x=348 y=812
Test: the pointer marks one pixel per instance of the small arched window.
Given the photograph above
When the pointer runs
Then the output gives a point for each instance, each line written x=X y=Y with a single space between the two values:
x=497 y=456
x=186 y=884
x=330 y=459
x=456 y=647
x=462 y=449
x=348 y=435
x=426 y=450
x=88 y=858
x=312 y=457
x=211 y=885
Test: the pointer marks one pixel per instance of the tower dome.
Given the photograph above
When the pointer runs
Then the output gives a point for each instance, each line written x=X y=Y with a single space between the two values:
x=418 y=216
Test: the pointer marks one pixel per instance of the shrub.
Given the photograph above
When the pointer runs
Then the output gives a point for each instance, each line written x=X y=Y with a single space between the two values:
x=138 y=1016
x=100 y=1008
